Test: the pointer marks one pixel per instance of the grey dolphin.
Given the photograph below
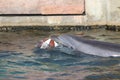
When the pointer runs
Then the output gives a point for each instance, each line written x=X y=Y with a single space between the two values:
x=92 y=47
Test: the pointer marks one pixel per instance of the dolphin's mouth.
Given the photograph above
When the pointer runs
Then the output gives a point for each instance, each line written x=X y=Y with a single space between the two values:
x=47 y=44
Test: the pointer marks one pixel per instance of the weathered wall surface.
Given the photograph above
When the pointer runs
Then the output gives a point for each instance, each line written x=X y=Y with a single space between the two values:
x=113 y=12
x=98 y=12
x=41 y=6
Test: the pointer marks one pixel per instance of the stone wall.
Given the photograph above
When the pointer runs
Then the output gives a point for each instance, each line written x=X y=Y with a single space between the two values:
x=97 y=12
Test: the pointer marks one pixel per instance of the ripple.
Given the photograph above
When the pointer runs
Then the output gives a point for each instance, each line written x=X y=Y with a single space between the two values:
x=103 y=77
x=19 y=77
x=50 y=79
x=17 y=72
x=17 y=64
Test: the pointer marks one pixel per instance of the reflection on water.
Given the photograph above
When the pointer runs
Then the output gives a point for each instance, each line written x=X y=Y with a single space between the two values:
x=58 y=65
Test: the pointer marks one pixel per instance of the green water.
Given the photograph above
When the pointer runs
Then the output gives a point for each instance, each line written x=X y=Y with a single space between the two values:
x=57 y=65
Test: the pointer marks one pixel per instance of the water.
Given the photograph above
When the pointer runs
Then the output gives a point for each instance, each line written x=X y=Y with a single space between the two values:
x=57 y=65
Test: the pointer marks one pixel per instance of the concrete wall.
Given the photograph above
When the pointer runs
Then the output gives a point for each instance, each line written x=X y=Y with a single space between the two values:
x=41 y=6
x=98 y=12
x=113 y=12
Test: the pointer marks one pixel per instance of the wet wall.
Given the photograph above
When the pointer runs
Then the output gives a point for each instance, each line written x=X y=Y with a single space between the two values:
x=95 y=12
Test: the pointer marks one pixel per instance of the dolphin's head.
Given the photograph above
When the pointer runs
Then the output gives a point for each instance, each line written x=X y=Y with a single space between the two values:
x=47 y=43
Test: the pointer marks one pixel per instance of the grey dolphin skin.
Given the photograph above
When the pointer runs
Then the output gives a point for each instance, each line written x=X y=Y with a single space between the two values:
x=92 y=47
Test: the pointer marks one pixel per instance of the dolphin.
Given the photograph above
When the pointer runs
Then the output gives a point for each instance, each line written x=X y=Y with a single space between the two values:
x=88 y=46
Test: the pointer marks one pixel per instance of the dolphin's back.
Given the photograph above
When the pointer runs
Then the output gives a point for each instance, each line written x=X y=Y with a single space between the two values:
x=99 y=44
x=93 y=47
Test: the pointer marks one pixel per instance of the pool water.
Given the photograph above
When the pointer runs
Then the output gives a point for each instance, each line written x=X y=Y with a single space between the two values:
x=58 y=65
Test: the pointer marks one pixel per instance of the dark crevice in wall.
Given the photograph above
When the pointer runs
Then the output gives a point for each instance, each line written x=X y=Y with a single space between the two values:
x=53 y=28
x=4 y=15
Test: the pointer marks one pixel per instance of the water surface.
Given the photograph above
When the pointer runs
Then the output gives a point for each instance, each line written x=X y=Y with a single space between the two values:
x=20 y=60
